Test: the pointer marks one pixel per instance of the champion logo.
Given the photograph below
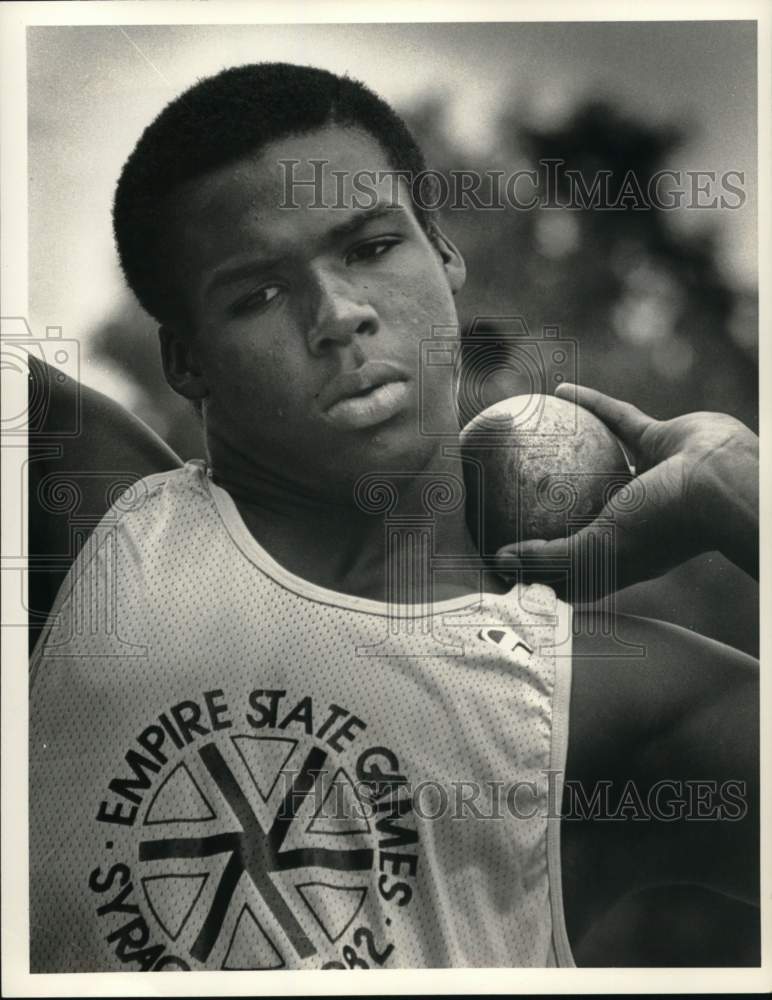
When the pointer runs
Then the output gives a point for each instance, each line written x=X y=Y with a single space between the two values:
x=508 y=640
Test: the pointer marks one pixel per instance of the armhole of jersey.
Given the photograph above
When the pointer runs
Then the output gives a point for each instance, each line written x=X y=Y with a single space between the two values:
x=73 y=574
x=560 y=705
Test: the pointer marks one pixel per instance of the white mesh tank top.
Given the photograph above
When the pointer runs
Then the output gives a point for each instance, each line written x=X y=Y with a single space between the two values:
x=232 y=768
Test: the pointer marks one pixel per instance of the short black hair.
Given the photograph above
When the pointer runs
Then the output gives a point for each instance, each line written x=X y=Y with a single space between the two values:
x=218 y=121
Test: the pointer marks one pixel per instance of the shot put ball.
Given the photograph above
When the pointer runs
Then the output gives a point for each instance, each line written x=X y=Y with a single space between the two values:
x=537 y=466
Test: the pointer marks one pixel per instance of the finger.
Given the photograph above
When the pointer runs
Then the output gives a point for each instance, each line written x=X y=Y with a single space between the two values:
x=582 y=568
x=613 y=552
x=624 y=419
x=535 y=562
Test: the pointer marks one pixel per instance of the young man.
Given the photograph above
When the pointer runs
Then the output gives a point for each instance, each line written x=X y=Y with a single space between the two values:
x=285 y=715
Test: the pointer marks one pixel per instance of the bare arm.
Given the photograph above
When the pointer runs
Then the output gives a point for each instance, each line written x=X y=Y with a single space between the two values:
x=673 y=736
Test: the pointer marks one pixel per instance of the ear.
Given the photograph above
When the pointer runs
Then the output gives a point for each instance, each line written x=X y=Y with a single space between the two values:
x=452 y=261
x=181 y=367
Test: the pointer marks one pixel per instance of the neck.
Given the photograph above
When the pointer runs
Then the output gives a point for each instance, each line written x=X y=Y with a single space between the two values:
x=344 y=543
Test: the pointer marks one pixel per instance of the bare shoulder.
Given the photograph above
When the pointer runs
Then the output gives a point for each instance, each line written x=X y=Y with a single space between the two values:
x=641 y=677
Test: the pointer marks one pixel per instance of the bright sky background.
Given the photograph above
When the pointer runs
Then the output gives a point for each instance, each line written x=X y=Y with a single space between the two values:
x=93 y=89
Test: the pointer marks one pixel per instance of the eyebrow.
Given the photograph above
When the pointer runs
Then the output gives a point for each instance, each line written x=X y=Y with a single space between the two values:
x=348 y=227
x=361 y=217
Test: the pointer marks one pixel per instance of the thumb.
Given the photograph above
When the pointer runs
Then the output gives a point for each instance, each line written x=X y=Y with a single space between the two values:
x=624 y=419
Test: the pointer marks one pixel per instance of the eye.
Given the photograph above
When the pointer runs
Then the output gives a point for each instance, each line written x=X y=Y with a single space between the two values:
x=372 y=249
x=256 y=300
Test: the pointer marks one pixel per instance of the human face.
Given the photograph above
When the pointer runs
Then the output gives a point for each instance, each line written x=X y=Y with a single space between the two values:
x=306 y=323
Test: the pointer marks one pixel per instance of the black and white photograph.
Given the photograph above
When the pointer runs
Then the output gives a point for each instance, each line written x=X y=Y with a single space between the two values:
x=383 y=396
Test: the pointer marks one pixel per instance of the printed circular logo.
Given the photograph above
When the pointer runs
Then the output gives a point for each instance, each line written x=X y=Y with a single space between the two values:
x=272 y=844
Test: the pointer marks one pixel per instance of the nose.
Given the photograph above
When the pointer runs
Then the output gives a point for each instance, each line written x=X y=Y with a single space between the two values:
x=341 y=314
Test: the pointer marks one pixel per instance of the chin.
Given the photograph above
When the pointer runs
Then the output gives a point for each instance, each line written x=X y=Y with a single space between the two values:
x=398 y=450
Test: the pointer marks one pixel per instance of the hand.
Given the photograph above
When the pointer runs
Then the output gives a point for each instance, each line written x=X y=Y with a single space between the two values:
x=696 y=490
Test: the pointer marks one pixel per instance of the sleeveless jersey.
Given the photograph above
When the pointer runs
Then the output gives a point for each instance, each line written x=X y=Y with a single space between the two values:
x=233 y=768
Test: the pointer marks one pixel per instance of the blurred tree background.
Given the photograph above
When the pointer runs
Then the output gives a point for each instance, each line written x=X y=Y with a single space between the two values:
x=654 y=319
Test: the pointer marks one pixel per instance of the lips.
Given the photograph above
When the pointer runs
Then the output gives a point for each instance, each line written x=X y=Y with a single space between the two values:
x=369 y=395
